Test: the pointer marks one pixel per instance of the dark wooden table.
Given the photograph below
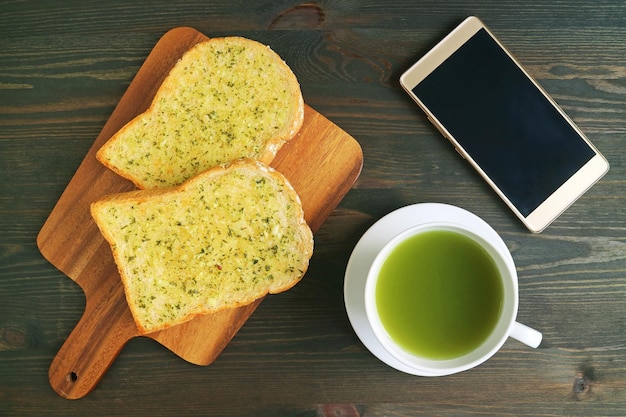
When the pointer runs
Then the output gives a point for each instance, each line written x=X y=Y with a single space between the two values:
x=65 y=65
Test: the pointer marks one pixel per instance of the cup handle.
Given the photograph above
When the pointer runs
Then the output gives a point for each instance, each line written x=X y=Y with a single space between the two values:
x=526 y=335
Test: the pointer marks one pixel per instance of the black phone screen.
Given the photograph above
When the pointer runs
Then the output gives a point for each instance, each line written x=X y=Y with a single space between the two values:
x=510 y=129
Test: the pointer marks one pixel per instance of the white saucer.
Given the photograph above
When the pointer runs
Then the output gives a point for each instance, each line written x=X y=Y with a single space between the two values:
x=366 y=249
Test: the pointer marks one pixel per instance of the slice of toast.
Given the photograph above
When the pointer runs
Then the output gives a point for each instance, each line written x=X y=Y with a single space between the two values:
x=225 y=99
x=222 y=239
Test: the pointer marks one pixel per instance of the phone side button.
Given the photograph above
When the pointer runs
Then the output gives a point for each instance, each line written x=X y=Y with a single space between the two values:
x=459 y=152
x=430 y=119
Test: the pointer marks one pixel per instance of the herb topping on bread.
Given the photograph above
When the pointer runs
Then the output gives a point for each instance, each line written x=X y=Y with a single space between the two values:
x=225 y=99
x=220 y=240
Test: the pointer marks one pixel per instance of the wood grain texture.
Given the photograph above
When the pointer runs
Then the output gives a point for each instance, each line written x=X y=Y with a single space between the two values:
x=321 y=162
x=63 y=71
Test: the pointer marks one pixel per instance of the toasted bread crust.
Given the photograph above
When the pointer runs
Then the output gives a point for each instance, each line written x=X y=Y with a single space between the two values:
x=220 y=240
x=225 y=99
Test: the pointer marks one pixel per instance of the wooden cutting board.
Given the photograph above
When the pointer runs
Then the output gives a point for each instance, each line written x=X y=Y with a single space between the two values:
x=322 y=163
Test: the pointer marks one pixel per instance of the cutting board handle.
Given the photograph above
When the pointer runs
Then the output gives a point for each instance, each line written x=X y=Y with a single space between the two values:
x=88 y=352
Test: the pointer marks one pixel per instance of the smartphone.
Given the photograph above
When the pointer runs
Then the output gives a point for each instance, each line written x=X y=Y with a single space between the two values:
x=504 y=124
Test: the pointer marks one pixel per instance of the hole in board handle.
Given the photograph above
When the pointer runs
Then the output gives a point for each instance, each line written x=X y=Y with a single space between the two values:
x=72 y=377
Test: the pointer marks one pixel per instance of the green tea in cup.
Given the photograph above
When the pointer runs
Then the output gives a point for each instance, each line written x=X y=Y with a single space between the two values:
x=439 y=294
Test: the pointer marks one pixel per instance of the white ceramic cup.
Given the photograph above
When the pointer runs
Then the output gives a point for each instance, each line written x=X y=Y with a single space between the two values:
x=506 y=325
